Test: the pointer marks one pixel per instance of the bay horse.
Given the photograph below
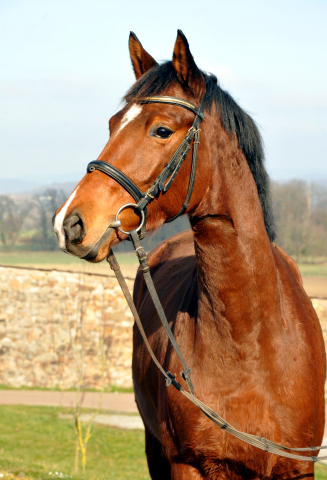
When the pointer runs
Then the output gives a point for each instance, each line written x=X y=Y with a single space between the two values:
x=234 y=300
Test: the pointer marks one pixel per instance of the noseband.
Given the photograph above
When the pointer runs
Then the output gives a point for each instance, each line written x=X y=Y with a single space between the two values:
x=168 y=174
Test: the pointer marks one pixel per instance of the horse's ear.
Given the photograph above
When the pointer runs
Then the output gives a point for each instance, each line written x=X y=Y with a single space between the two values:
x=187 y=72
x=141 y=59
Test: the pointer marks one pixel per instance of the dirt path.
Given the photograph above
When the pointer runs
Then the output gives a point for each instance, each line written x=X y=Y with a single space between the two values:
x=115 y=402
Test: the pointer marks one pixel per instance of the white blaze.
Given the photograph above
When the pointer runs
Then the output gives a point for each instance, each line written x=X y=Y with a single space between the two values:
x=59 y=220
x=131 y=113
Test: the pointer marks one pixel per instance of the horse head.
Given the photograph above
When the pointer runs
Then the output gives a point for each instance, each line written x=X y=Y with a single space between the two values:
x=143 y=137
x=149 y=143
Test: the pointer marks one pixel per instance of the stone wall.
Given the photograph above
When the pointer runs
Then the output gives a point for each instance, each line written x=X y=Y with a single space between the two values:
x=59 y=328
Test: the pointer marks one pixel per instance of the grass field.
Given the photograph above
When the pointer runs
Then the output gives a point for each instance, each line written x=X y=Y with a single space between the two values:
x=313 y=270
x=34 y=441
x=320 y=472
x=58 y=258
x=35 y=444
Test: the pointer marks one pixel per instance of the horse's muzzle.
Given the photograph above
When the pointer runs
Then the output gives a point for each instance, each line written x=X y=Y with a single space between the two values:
x=74 y=229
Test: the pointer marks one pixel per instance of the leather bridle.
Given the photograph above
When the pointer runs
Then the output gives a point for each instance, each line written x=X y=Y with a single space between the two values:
x=168 y=174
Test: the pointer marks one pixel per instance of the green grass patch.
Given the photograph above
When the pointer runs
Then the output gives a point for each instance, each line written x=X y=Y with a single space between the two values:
x=37 y=445
x=320 y=472
x=313 y=270
x=35 y=441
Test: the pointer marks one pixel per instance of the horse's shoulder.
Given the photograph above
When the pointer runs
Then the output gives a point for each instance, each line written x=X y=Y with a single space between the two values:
x=290 y=263
x=179 y=245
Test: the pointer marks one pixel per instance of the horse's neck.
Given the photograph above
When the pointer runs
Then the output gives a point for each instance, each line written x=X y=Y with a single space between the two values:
x=238 y=284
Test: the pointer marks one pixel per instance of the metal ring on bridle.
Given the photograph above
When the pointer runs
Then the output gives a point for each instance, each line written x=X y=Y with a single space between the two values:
x=131 y=205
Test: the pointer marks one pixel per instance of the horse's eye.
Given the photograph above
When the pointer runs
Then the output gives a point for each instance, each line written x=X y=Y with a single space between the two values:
x=163 y=132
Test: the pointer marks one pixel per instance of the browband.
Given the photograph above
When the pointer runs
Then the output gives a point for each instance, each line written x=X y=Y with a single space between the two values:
x=173 y=101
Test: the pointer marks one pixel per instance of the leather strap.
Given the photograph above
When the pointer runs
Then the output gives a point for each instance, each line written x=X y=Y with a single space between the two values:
x=143 y=260
x=116 y=268
x=117 y=175
x=186 y=203
x=173 y=101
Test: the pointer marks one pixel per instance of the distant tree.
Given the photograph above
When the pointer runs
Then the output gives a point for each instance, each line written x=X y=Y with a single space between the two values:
x=12 y=216
x=319 y=220
x=46 y=203
x=301 y=217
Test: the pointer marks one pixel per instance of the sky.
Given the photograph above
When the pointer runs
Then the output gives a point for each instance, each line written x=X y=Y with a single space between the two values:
x=65 y=66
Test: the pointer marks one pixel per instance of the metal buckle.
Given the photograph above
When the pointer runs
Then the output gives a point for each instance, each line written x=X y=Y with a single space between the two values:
x=130 y=205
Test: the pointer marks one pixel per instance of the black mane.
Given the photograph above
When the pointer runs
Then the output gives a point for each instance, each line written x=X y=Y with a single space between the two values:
x=235 y=120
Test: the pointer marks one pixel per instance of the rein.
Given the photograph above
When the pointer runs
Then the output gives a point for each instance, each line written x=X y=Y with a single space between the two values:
x=162 y=183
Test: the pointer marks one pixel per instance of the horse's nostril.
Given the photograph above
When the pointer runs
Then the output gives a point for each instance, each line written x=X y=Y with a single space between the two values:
x=77 y=229
x=74 y=228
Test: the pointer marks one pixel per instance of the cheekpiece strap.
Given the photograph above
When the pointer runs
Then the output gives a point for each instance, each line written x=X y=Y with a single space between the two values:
x=166 y=177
